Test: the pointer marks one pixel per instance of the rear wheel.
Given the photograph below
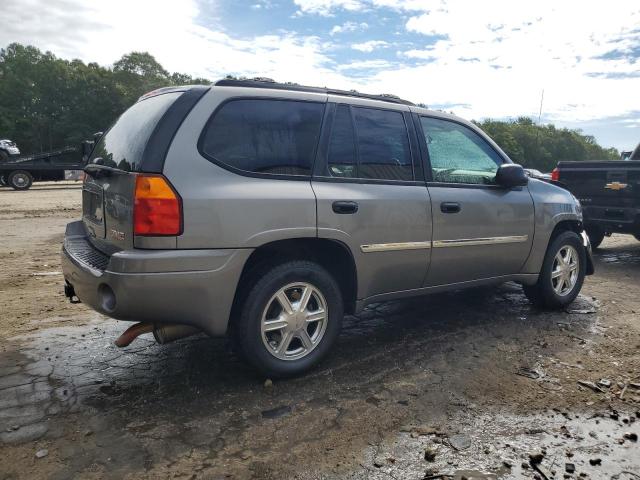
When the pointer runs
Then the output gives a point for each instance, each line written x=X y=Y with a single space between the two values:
x=20 y=180
x=290 y=317
x=562 y=273
x=596 y=235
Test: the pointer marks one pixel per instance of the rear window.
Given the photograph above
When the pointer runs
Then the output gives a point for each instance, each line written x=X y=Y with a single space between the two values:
x=124 y=143
x=264 y=136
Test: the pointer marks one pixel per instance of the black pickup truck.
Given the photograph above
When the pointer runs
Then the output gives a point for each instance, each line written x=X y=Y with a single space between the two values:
x=609 y=192
x=19 y=172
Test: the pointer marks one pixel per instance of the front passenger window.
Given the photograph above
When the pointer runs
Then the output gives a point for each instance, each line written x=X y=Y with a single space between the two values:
x=458 y=154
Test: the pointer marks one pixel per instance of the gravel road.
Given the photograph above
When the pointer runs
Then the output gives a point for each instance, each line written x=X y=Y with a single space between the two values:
x=474 y=384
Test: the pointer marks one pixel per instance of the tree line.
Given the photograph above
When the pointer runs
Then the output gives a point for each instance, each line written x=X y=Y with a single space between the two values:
x=47 y=103
x=543 y=146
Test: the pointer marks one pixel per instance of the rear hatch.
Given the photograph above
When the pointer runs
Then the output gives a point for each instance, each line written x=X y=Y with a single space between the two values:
x=108 y=191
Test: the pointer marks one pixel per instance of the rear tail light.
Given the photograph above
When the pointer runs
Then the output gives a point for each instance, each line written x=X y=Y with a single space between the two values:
x=555 y=175
x=157 y=207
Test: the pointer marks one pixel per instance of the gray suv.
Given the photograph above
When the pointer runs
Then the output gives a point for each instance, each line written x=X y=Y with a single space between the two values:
x=267 y=211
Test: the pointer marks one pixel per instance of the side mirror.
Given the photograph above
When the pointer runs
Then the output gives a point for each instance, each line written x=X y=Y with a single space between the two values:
x=511 y=175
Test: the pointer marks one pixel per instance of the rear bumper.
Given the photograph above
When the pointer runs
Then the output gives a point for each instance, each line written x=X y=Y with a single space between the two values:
x=191 y=287
x=613 y=219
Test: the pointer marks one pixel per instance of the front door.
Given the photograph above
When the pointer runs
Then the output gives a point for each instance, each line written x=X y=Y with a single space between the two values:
x=369 y=196
x=480 y=230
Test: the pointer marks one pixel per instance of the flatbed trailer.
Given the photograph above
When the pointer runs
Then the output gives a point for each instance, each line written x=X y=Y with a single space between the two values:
x=20 y=173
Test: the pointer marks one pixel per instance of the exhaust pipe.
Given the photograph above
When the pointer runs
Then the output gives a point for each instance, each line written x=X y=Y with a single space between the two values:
x=168 y=333
x=162 y=333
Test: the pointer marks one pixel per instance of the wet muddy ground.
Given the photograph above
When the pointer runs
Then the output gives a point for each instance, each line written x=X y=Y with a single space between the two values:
x=464 y=385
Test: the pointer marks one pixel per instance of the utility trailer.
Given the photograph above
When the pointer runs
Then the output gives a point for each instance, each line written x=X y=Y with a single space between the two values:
x=20 y=173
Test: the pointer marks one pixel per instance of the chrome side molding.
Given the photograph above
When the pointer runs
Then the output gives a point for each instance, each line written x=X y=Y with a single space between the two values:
x=480 y=241
x=390 y=247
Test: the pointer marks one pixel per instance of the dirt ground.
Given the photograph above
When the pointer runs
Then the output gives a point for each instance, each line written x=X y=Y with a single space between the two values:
x=464 y=385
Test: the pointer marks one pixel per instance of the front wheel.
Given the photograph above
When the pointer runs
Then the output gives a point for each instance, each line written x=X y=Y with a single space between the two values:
x=562 y=274
x=289 y=319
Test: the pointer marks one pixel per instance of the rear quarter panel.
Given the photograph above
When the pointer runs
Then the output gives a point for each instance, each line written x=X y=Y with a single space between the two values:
x=223 y=209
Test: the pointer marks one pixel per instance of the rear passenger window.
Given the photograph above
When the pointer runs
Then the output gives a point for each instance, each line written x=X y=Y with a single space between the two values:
x=264 y=136
x=383 y=145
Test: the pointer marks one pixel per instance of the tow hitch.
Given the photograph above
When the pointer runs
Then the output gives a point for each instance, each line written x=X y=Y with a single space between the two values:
x=70 y=293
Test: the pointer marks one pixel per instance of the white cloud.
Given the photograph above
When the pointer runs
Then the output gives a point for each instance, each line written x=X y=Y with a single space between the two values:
x=370 y=45
x=366 y=65
x=348 y=27
x=105 y=31
x=520 y=48
x=327 y=7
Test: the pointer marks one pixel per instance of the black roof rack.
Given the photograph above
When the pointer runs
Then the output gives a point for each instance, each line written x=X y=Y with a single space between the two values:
x=263 y=82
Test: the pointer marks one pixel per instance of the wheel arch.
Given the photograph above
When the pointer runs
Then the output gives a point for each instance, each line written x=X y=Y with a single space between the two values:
x=333 y=255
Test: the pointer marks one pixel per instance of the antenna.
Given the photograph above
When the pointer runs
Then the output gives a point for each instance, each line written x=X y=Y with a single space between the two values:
x=540 y=112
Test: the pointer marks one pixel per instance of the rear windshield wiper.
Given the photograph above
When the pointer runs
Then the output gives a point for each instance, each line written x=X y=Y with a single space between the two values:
x=96 y=170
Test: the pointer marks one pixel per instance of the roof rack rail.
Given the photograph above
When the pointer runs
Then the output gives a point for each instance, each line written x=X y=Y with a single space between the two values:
x=263 y=82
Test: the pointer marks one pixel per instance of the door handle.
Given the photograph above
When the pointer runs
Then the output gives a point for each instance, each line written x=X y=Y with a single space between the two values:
x=344 y=207
x=449 y=207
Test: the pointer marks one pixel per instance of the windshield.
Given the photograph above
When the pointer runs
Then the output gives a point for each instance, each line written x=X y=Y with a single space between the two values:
x=123 y=145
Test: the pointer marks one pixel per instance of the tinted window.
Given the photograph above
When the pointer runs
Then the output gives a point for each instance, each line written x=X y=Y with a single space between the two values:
x=265 y=136
x=122 y=146
x=458 y=154
x=383 y=145
x=342 y=148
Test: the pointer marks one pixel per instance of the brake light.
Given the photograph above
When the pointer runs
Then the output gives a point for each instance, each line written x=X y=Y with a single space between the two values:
x=555 y=175
x=157 y=207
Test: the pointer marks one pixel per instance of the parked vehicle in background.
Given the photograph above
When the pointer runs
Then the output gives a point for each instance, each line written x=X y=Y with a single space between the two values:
x=532 y=172
x=8 y=149
x=609 y=192
x=19 y=172
x=267 y=211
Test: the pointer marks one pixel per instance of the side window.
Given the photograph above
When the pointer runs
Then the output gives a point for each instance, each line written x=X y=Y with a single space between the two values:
x=383 y=145
x=458 y=154
x=342 y=160
x=264 y=136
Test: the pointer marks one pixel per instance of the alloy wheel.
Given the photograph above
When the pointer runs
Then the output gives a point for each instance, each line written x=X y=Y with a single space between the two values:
x=294 y=321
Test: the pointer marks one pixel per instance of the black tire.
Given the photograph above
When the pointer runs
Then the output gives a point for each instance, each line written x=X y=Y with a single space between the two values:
x=258 y=294
x=543 y=294
x=3 y=182
x=20 y=180
x=596 y=235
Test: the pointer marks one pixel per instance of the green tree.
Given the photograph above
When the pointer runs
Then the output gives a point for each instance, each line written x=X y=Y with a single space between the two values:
x=48 y=103
x=543 y=146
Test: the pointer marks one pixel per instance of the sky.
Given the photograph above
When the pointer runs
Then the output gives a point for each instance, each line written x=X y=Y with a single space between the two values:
x=477 y=59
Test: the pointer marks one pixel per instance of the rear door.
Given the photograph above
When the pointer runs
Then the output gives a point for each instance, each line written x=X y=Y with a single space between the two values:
x=371 y=195
x=108 y=191
x=480 y=230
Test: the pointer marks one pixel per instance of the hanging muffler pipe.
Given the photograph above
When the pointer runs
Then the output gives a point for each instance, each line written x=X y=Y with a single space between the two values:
x=162 y=333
